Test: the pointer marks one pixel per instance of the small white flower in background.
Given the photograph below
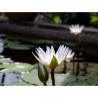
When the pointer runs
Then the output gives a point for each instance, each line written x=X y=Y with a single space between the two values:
x=76 y=29
x=50 y=58
x=69 y=55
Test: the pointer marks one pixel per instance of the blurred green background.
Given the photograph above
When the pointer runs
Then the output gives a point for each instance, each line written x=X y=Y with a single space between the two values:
x=87 y=19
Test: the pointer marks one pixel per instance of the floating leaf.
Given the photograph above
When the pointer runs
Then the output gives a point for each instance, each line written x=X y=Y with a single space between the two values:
x=1 y=56
x=19 y=47
x=12 y=42
x=92 y=80
x=82 y=78
x=61 y=79
x=40 y=41
x=89 y=80
x=16 y=67
x=2 y=41
x=79 y=84
x=5 y=60
x=22 y=84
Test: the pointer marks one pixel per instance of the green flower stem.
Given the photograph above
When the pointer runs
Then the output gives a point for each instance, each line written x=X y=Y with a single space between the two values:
x=76 y=42
x=3 y=79
x=75 y=50
x=52 y=77
x=73 y=65
x=78 y=66
x=45 y=84
x=64 y=67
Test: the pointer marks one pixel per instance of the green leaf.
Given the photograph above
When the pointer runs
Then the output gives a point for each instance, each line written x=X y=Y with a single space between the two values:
x=16 y=67
x=56 y=18
x=41 y=41
x=5 y=60
x=19 y=47
x=82 y=78
x=94 y=19
x=22 y=84
x=79 y=84
x=32 y=77
x=61 y=79
x=54 y=63
x=89 y=80
x=92 y=80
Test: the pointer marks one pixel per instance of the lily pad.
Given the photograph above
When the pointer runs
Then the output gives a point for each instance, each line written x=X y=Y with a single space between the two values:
x=22 y=84
x=12 y=42
x=2 y=41
x=61 y=79
x=92 y=80
x=89 y=80
x=39 y=41
x=1 y=56
x=79 y=84
x=19 y=47
x=16 y=67
x=82 y=78
x=5 y=60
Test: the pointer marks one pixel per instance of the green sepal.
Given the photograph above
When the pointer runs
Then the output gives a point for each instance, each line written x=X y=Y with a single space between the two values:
x=54 y=63
x=43 y=76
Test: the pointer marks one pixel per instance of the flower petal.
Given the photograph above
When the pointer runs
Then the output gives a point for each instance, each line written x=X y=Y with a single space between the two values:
x=37 y=58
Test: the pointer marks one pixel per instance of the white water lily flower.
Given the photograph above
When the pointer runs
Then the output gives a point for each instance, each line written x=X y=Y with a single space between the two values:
x=50 y=58
x=69 y=55
x=76 y=29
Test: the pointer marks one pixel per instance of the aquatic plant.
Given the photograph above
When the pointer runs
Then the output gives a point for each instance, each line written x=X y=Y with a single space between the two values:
x=76 y=29
x=52 y=59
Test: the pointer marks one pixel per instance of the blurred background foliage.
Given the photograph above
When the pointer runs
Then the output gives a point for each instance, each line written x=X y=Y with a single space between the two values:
x=87 y=19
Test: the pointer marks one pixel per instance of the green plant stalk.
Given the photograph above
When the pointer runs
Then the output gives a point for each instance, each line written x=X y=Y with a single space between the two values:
x=75 y=50
x=3 y=79
x=64 y=67
x=73 y=66
x=76 y=42
x=52 y=77
x=78 y=66
x=45 y=84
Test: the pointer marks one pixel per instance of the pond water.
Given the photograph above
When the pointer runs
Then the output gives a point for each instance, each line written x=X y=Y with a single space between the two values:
x=19 y=49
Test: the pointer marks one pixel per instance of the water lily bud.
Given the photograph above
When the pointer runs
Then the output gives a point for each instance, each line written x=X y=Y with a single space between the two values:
x=42 y=73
